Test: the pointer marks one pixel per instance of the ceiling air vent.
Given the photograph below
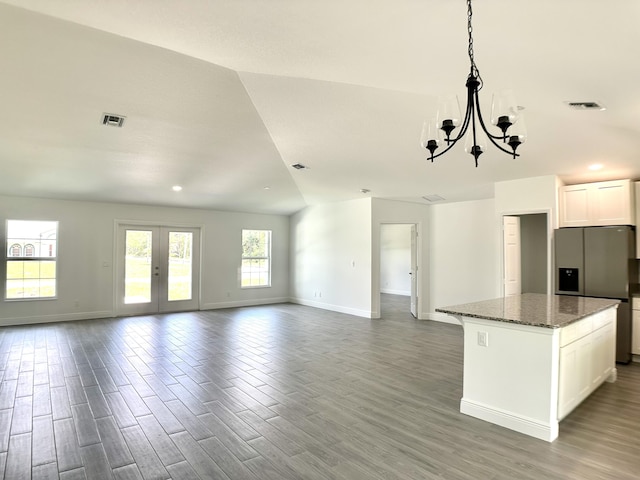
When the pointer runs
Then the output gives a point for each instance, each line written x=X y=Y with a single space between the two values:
x=299 y=166
x=433 y=198
x=113 y=120
x=586 y=105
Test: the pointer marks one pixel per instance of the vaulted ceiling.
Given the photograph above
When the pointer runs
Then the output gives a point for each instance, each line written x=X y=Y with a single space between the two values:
x=222 y=97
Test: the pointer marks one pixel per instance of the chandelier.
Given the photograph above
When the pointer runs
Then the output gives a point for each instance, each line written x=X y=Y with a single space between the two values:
x=504 y=114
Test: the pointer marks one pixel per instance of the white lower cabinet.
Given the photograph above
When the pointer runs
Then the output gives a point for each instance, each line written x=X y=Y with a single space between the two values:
x=635 y=326
x=587 y=358
x=604 y=354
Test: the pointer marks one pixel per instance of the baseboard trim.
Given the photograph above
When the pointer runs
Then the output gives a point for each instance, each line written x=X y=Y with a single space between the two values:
x=441 y=317
x=60 y=317
x=403 y=293
x=528 y=426
x=244 y=303
x=334 y=308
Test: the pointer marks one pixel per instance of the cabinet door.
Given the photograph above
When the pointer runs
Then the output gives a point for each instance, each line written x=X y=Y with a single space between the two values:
x=635 y=342
x=637 y=218
x=568 y=387
x=584 y=355
x=603 y=357
x=611 y=203
x=575 y=206
x=574 y=374
x=597 y=204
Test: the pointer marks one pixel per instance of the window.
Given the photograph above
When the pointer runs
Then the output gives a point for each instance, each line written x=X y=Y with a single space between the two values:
x=256 y=258
x=31 y=259
x=15 y=250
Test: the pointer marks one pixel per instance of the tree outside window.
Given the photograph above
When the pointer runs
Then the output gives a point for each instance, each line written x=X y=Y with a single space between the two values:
x=256 y=258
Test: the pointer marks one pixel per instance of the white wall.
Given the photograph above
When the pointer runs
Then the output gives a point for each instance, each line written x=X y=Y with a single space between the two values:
x=331 y=257
x=395 y=259
x=463 y=254
x=528 y=196
x=389 y=212
x=86 y=242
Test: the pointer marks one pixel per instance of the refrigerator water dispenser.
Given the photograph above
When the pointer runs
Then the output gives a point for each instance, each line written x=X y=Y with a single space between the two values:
x=568 y=279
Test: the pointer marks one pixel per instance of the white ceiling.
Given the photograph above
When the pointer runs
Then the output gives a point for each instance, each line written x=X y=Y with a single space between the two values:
x=222 y=97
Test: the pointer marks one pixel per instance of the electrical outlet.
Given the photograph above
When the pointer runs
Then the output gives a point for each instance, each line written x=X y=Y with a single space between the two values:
x=483 y=339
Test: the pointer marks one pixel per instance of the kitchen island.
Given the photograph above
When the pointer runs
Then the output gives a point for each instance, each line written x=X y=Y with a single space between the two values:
x=530 y=359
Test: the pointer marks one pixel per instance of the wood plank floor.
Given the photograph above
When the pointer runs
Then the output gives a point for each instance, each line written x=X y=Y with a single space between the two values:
x=278 y=392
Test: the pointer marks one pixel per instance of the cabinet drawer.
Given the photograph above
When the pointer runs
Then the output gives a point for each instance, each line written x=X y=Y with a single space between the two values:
x=568 y=334
x=603 y=318
x=576 y=330
x=635 y=301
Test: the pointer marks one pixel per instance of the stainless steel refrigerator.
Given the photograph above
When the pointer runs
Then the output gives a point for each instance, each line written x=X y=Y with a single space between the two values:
x=599 y=262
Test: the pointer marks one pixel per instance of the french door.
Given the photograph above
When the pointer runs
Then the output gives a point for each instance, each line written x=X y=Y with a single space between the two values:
x=158 y=269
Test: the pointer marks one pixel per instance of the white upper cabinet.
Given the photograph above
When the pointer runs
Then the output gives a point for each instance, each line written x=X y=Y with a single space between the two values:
x=597 y=204
x=574 y=206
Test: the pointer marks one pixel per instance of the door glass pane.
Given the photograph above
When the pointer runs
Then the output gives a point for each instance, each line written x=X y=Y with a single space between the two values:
x=180 y=266
x=137 y=267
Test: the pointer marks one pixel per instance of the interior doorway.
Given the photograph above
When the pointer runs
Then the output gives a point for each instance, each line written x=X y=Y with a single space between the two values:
x=157 y=269
x=526 y=252
x=399 y=268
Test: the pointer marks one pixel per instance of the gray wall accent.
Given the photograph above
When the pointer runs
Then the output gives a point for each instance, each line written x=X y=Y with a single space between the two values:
x=533 y=238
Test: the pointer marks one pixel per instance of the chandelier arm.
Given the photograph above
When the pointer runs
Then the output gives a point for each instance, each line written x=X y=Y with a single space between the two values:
x=473 y=131
x=489 y=135
x=449 y=147
x=465 y=123
x=463 y=128
x=433 y=157
x=484 y=126
x=468 y=114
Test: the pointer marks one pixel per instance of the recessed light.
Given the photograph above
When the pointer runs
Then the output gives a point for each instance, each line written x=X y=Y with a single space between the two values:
x=596 y=166
x=267 y=188
x=176 y=188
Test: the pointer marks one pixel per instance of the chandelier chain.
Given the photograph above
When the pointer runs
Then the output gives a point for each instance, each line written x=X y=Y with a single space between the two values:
x=474 y=68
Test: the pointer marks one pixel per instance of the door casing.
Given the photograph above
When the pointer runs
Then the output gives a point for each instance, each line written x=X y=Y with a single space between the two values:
x=160 y=270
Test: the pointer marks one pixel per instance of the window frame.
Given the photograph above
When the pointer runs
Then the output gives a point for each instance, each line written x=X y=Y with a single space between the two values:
x=11 y=241
x=268 y=258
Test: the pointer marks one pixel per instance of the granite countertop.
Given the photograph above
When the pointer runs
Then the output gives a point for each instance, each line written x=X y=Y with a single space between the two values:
x=535 y=309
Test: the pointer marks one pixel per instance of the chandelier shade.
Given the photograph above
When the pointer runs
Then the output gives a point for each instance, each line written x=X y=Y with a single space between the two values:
x=450 y=126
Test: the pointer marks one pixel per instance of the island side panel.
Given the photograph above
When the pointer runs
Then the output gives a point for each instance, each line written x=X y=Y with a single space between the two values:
x=513 y=380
